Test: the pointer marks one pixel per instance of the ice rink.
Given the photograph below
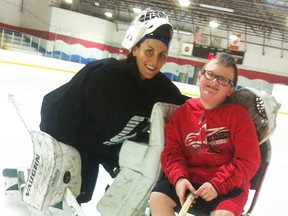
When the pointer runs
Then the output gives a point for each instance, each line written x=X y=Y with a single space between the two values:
x=29 y=85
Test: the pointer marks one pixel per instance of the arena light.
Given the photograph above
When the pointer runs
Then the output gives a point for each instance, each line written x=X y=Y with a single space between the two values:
x=137 y=10
x=213 y=24
x=69 y=1
x=184 y=3
x=108 y=14
x=182 y=32
x=213 y=7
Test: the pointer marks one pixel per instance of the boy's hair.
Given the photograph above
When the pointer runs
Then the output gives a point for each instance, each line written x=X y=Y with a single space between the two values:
x=228 y=60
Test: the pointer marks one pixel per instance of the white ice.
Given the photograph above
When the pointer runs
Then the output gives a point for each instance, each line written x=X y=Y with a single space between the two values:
x=29 y=85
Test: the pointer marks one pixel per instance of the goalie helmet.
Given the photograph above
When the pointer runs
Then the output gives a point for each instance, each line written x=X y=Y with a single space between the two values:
x=149 y=24
x=262 y=107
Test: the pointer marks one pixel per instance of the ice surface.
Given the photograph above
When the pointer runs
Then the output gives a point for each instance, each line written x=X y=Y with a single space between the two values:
x=29 y=85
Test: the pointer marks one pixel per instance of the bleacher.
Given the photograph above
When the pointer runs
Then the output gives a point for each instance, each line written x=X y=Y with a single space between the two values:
x=17 y=41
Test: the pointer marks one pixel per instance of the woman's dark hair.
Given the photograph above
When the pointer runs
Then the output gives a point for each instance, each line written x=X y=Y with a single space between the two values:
x=130 y=56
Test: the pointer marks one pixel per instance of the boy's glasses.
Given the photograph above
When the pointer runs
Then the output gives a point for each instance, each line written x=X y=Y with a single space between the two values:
x=209 y=75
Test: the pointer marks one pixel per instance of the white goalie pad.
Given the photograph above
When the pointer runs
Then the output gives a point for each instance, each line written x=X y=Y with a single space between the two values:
x=55 y=167
x=140 y=169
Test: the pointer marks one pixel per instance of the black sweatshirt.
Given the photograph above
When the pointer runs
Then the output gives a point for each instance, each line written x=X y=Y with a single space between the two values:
x=105 y=103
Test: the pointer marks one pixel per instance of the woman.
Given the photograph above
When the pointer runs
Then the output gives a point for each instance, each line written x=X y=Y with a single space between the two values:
x=110 y=100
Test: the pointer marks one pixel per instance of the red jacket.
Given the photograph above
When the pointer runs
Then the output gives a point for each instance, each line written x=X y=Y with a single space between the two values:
x=219 y=146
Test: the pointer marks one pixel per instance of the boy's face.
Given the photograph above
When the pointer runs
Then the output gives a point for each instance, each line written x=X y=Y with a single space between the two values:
x=212 y=94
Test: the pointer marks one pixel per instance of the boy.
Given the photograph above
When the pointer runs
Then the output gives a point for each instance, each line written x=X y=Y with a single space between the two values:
x=211 y=148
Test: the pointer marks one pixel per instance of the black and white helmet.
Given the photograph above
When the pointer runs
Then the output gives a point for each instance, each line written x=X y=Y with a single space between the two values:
x=262 y=107
x=145 y=24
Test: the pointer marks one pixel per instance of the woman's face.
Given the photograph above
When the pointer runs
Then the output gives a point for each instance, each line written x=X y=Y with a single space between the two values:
x=150 y=56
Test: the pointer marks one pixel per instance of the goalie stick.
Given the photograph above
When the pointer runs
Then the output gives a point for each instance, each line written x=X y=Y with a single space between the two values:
x=68 y=195
x=186 y=205
x=12 y=100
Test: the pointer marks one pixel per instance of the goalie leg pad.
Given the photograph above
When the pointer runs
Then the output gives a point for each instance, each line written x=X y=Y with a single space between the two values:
x=55 y=167
x=140 y=169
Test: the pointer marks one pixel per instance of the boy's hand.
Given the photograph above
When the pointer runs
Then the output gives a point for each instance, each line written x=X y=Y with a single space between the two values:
x=181 y=187
x=207 y=192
